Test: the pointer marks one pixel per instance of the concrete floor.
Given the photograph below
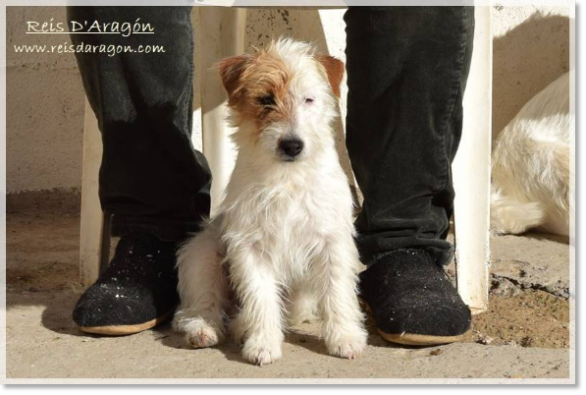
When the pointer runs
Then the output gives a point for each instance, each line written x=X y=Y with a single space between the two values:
x=524 y=335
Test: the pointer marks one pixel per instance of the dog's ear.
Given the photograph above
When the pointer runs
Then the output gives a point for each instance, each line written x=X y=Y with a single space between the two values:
x=335 y=71
x=231 y=70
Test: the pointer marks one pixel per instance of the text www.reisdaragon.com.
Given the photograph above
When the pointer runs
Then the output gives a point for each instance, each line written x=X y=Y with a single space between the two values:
x=108 y=49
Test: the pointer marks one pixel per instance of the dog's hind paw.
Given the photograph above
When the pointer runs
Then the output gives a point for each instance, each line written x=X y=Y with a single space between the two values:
x=350 y=347
x=203 y=338
x=201 y=335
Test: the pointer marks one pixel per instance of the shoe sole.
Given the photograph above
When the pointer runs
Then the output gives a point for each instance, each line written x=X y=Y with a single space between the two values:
x=413 y=339
x=122 y=330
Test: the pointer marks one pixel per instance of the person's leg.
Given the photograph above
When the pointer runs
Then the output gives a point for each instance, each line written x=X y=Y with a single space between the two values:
x=407 y=70
x=152 y=181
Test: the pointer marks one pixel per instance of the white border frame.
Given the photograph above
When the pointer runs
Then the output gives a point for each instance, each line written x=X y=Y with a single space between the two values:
x=283 y=3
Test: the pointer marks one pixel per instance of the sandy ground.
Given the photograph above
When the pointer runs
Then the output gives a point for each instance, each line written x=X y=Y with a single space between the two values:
x=525 y=334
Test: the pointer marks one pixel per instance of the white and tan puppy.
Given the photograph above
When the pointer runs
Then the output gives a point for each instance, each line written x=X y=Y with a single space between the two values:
x=283 y=235
x=531 y=173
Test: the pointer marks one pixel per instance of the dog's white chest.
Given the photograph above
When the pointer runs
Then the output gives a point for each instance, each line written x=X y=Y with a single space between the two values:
x=287 y=224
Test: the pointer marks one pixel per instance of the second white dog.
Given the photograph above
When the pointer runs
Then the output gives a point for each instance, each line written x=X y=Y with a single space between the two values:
x=532 y=180
x=283 y=237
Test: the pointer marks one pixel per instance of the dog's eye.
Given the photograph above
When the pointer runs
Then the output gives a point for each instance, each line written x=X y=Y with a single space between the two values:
x=309 y=100
x=266 y=101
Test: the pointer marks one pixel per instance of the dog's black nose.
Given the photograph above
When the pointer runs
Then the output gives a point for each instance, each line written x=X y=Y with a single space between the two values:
x=291 y=147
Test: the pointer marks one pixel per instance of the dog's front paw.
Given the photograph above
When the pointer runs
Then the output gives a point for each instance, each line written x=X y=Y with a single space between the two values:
x=260 y=352
x=347 y=346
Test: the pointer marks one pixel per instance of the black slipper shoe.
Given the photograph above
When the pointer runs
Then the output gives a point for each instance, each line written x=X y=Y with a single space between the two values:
x=137 y=291
x=412 y=300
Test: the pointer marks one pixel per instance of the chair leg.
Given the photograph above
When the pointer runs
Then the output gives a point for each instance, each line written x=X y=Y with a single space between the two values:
x=222 y=34
x=93 y=233
x=471 y=172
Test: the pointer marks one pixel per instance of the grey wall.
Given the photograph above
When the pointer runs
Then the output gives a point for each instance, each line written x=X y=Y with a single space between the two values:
x=531 y=49
x=44 y=109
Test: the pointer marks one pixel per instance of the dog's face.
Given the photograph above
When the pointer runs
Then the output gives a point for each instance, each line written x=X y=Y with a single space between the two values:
x=283 y=99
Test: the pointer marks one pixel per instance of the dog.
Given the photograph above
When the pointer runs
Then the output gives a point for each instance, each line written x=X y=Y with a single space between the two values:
x=532 y=180
x=282 y=244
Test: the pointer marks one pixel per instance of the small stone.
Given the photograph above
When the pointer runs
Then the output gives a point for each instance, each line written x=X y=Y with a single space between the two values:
x=526 y=341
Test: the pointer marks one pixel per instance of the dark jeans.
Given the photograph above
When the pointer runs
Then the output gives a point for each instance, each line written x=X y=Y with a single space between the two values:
x=407 y=70
x=151 y=178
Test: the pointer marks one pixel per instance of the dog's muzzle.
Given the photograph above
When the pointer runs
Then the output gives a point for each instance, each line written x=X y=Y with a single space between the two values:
x=290 y=149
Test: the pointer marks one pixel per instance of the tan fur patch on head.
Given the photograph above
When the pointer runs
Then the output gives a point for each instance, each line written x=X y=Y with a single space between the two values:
x=258 y=87
x=231 y=70
x=334 y=70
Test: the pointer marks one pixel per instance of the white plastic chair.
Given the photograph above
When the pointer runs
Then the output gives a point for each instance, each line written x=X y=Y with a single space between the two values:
x=222 y=35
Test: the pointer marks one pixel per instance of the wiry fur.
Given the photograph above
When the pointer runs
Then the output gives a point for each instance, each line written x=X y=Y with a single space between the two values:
x=283 y=239
x=531 y=171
